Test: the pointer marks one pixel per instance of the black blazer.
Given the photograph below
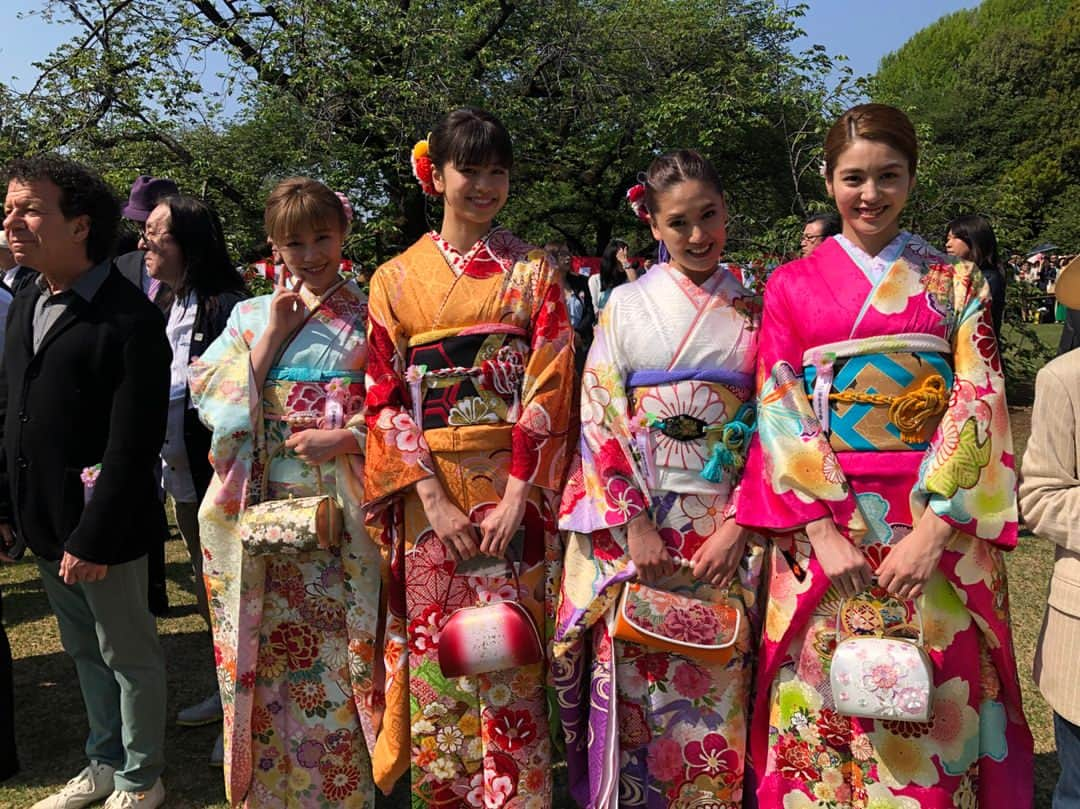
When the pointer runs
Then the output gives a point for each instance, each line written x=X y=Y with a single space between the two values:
x=96 y=391
x=210 y=320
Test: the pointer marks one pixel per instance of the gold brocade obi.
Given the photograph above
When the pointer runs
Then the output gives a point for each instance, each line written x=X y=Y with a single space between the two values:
x=880 y=394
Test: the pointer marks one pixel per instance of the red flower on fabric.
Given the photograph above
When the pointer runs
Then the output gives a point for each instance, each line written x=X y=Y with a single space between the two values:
x=712 y=757
x=624 y=501
x=986 y=343
x=424 y=630
x=835 y=730
x=340 y=782
x=694 y=624
x=795 y=759
x=306 y=397
x=512 y=730
x=299 y=642
x=653 y=666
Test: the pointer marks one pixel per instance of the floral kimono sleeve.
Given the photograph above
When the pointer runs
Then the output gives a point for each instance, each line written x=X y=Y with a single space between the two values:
x=397 y=456
x=969 y=472
x=608 y=486
x=792 y=475
x=539 y=437
x=222 y=388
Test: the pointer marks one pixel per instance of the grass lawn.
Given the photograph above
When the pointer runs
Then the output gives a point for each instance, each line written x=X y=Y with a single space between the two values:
x=52 y=725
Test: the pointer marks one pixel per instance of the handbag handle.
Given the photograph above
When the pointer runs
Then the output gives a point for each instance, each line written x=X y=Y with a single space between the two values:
x=513 y=571
x=918 y=614
x=258 y=447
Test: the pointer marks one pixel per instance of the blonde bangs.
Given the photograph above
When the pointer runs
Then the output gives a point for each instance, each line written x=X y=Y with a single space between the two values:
x=299 y=203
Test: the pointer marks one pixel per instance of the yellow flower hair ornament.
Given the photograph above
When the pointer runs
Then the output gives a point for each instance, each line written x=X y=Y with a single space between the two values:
x=422 y=168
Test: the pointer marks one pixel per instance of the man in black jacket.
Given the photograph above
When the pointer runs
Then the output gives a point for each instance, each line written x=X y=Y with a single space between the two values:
x=83 y=396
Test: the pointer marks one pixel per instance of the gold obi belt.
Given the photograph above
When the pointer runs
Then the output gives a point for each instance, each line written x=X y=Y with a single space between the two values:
x=466 y=377
x=880 y=394
x=305 y=397
x=690 y=427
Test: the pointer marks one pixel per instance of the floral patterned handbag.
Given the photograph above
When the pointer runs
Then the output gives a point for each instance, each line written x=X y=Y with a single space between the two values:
x=882 y=677
x=295 y=524
x=489 y=637
x=672 y=622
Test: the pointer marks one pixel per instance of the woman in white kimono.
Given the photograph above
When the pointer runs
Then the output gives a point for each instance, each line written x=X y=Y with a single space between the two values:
x=651 y=497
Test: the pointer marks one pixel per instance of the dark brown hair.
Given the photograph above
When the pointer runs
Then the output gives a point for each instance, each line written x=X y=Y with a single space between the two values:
x=677 y=167
x=302 y=202
x=470 y=137
x=975 y=231
x=877 y=122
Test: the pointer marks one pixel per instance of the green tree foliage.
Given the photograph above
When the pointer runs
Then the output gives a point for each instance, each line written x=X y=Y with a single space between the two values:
x=995 y=92
x=341 y=89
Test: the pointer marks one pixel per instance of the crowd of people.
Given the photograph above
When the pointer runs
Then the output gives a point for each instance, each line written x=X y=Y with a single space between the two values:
x=713 y=548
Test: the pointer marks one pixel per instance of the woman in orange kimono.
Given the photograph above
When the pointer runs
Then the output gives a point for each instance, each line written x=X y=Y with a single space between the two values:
x=470 y=377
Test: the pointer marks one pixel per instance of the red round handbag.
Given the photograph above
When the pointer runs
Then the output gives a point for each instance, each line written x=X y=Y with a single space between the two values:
x=489 y=637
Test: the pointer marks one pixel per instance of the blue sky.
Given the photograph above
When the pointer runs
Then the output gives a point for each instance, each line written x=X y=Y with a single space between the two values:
x=863 y=30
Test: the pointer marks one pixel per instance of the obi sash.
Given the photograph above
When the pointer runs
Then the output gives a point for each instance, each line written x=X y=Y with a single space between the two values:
x=880 y=394
x=681 y=417
x=470 y=376
x=305 y=397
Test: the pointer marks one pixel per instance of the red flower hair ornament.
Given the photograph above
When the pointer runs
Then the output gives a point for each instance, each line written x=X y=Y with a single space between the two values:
x=422 y=167
x=635 y=195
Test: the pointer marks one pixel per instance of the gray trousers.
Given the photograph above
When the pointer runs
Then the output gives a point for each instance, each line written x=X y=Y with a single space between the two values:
x=109 y=632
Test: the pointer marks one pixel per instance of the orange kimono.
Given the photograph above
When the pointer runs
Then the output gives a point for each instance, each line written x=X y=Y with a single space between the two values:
x=470 y=378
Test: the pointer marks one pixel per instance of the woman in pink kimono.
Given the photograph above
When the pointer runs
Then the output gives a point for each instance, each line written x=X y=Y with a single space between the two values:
x=651 y=497
x=883 y=451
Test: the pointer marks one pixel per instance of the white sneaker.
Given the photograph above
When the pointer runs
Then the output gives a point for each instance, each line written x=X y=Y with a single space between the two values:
x=151 y=799
x=206 y=712
x=90 y=786
x=217 y=755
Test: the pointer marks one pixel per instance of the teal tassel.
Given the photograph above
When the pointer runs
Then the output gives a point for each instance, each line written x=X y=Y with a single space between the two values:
x=729 y=451
x=714 y=469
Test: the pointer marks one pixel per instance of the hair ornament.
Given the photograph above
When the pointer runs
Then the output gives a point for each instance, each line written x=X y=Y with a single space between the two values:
x=422 y=168
x=635 y=195
x=346 y=205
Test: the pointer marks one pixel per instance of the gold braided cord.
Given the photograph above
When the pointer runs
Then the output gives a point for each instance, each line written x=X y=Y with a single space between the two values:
x=911 y=410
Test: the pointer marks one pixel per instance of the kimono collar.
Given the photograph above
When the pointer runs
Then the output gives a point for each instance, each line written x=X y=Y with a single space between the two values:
x=874 y=267
x=457 y=260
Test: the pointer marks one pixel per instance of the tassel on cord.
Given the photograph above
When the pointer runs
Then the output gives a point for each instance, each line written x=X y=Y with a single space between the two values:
x=414 y=375
x=728 y=445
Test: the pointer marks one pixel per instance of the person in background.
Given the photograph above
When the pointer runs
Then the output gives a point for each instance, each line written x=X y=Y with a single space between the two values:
x=817 y=228
x=1050 y=502
x=15 y=276
x=185 y=251
x=83 y=400
x=579 y=306
x=145 y=193
x=615 y=269
x=9 y=761
x=971 y=238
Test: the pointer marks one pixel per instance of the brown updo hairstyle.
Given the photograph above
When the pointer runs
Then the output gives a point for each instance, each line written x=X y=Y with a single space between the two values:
x=877 y=122
x=299 y=202
x=676 y=167
x=470 y=136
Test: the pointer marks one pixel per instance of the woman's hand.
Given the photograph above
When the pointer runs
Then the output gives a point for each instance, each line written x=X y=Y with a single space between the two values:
x=287 y=308
x=842 y=562
x=448 y=521
x=717 y=560
x=913 y=559
x=647 y=550
x=313 y=446
x=503 y=521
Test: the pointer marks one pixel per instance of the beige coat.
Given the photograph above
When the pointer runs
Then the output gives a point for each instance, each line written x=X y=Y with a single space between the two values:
x=1050 y=502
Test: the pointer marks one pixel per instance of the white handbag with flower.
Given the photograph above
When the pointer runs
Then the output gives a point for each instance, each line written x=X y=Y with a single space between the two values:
x=882 y=677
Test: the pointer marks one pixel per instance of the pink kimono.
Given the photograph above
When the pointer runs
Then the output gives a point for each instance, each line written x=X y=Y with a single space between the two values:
x=851 y=346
